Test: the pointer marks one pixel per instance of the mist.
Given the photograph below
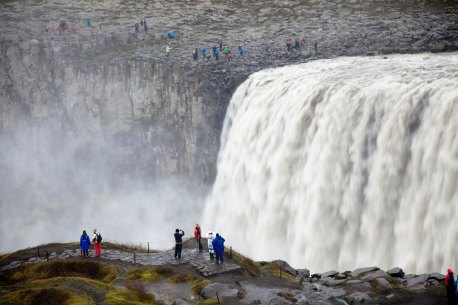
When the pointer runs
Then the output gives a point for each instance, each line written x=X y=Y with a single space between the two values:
x=56 y=181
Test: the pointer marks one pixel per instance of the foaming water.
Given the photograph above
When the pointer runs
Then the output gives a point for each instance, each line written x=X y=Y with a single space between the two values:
x=343 y=163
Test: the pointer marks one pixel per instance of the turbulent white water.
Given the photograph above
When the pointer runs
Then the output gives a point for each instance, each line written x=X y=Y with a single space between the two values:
x=343 y=163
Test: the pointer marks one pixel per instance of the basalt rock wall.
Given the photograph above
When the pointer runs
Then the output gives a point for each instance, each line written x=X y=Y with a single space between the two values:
x=165 y=118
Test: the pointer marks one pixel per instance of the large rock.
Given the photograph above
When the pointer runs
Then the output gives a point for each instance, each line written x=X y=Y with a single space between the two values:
x=332 y=273
x=285 y=267
x=417 y=283
x=358 y=298
x=223 y=290
x=361 y=271
x=373 y=275
x=396 y=272
x=437 y=276
x=302 y=275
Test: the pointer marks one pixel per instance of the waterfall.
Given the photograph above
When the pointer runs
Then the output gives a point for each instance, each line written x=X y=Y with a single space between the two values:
x=343 y=163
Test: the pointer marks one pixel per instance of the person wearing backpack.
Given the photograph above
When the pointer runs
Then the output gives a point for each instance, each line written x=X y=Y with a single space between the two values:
x=97 y=240
x=85 y=243
x=198 y=237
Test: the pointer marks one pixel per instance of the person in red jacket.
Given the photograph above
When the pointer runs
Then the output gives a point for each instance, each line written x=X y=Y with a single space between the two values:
x=198 y=237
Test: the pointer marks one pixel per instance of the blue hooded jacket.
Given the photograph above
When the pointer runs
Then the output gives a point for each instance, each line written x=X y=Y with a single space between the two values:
x=85 y=242
x=218 y=244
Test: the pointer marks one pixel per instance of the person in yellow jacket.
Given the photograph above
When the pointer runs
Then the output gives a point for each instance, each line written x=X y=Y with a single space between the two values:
x=167 y=50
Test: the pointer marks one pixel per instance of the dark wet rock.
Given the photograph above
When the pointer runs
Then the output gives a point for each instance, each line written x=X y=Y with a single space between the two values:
x=383 y=282
x=358 y=298
x=332 y=273
x=417 y=283
x=361 y=271
x=302 y=275
x=373 y=275
x=223 y=290
x=316 y=276
x=340 y=276
x=331 y=282
x=286 y=267
x=396 y=272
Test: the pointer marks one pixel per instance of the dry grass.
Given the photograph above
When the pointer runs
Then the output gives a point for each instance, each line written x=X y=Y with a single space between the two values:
x=247 y=263
x=68 y=268
x=274 y=270
x=45 y=296
x=134 y=294
x=198 y=284
x=208 y=302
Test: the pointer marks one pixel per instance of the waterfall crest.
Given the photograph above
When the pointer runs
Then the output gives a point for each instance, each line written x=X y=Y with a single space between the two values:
x=343 y=163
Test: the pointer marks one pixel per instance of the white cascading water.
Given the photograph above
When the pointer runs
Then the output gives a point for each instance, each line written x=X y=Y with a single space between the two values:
x=343 y=163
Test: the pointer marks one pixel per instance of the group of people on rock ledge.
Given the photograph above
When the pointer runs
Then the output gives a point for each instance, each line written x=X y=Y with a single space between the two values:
x=452 y=287
x=85 y=243
x=215 y=244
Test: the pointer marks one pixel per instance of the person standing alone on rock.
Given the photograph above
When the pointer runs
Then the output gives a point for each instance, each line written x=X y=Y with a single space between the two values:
x=218 y=246
x=210 y=237
x=178 y=242
x=198 y=237
x=450 y=286
x=97 y=240
x=167 y=50
x=85 y=243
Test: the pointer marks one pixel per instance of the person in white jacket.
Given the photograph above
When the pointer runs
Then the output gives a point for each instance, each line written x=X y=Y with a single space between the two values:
x=210 y=237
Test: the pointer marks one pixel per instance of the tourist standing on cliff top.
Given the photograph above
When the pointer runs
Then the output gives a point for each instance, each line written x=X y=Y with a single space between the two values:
x=218 y=246
x=178 y=242
x=85 y=243
x=198 y=237
x=97 y=240
x=210 y=237
x=167 y=50
x=450 y=286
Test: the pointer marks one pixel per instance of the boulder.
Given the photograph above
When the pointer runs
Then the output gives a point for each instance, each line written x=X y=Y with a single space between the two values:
x=316 y=276
x=340 y=276
x=382 y=282
x=417 y=283
x=332 y=273
x=223 y=290
x=373 y=275
x=285 y=267
x=396 y=272
x=361 y=271
x=358 y=298
x=437 y=276
x=302 y=275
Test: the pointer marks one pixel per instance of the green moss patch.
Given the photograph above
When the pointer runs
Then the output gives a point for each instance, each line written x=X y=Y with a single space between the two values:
x=149 y=274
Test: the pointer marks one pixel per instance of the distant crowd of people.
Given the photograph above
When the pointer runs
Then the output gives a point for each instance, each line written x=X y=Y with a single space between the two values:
x=224 y=50
x=215 y=244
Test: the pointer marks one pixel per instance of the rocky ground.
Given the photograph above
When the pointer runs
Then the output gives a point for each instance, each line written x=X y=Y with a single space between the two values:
x=238 y=281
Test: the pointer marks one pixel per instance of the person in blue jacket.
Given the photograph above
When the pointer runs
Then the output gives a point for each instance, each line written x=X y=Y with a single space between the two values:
x=85 y=243
x=218 y=246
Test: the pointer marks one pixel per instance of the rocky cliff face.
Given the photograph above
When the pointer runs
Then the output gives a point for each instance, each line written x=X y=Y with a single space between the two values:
x=162 y=116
